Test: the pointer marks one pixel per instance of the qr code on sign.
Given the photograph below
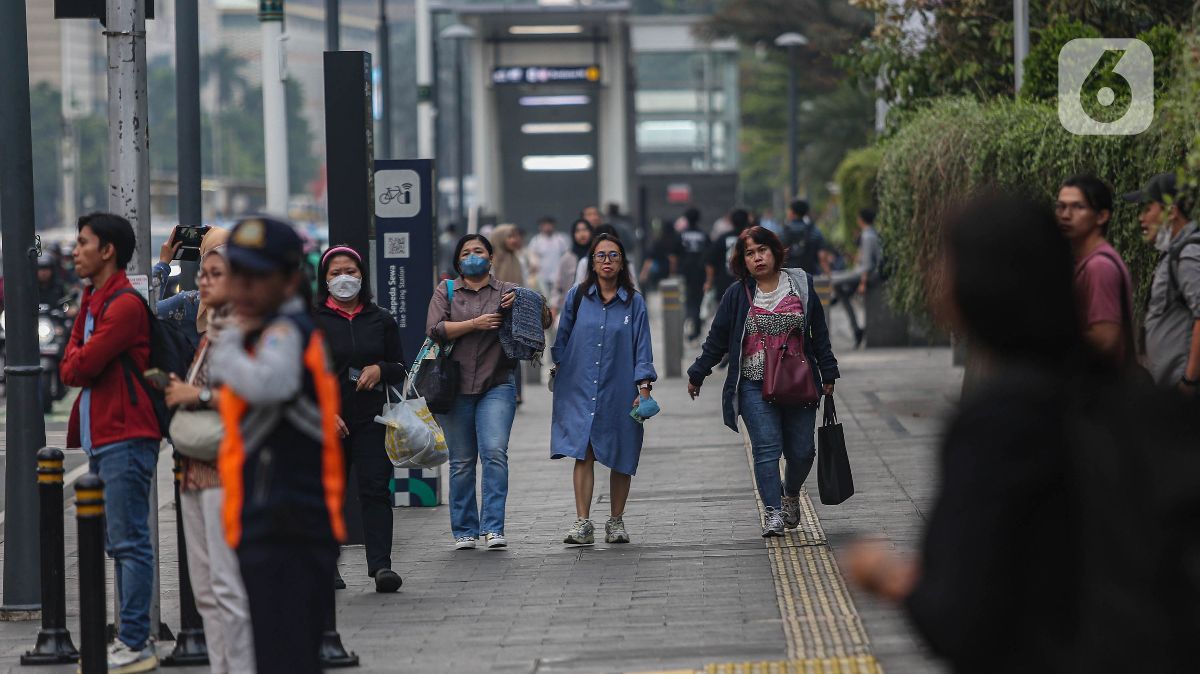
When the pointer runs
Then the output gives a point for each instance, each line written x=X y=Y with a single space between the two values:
x=395 y=244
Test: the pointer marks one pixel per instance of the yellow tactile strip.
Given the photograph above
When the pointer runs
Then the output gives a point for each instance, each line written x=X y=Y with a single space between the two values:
x=863 y=664
x=820 y=621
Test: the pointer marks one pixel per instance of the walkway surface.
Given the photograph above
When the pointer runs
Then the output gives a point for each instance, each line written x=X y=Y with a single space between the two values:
x=697 y=590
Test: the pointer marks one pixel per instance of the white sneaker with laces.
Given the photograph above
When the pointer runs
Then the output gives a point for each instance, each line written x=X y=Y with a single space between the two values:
x=465 y=543
x=614 y=531
x=583 y=532
x=124 y=660
x=495 y=541
x=772 y=523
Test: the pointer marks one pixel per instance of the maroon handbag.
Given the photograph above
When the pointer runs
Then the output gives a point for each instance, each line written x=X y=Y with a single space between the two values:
x=787 y=375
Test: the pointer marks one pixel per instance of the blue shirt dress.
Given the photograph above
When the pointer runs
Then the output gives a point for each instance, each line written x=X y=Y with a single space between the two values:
x=601 y=355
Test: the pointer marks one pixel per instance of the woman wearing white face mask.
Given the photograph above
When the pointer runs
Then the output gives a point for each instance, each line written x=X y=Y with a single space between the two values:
x=364 y=342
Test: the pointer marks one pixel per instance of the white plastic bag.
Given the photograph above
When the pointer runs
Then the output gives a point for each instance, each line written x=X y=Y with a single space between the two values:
x=413 y=438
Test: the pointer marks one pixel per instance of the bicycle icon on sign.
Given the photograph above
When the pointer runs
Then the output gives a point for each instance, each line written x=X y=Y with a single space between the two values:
x=400 y=194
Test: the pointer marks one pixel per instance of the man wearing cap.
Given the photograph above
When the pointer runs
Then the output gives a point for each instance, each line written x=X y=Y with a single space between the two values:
x=281 y=459
x=1173 y=314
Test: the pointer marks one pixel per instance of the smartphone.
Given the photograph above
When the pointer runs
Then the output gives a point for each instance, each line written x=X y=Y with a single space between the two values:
x=190 y=237
x=157 y=378
x=355 y=373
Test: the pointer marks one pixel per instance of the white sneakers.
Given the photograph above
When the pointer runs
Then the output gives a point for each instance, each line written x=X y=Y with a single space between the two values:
x=492 y=541
x=124 y=660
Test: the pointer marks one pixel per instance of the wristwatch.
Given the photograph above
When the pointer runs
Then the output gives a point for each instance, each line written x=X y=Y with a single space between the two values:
x=205 y=396
x=647 y=386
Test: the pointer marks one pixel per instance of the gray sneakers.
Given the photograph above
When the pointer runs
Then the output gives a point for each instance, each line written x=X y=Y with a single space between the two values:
x=465 y=543
x=495 y=541
x=583 y=532
x=791 y=511
x=614 y=531
x=772 y=523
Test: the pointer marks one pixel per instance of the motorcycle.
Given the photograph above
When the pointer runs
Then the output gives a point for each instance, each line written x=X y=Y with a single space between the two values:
x=54 y=328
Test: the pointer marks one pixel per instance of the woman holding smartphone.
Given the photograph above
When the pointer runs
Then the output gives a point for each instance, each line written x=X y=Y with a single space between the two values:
x=213 y=566
x=364 y=342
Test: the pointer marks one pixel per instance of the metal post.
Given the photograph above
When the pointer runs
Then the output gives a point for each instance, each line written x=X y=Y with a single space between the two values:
x=89 y=516
x=792 y=188
x=26 y=429
x=425 y=103
x=1020 y=40
x=187 y=105
x=190 y=647
x=128 y=128
x=274 y=73
x=54 y=640
x=672 y=321
x=384 y=150
x=460 y=142
x=333 y=25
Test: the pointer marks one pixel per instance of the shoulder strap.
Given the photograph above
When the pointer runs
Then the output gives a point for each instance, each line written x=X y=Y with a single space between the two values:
x=1126 y=310
x=1173 y=261
x=577 y=300
x=449 y=290
x=119 y=293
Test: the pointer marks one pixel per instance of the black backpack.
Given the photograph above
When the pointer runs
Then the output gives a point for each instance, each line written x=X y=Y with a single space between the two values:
x=169 y=352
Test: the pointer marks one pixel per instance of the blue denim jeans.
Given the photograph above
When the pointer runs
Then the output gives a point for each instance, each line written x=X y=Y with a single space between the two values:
x=477 y=430
x=127 y=469
x=777 y=431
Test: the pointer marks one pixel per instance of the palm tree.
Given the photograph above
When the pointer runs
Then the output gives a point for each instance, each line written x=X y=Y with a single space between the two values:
x=226 y=68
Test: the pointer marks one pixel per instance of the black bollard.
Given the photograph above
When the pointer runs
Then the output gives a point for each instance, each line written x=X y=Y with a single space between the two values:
x=54 y=640
x=190 y=647
x=89 y=515
x=333 y=653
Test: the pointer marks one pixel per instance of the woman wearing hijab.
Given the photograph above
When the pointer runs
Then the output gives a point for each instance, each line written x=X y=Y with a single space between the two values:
x=506 y=264
x=364 y=342
x=581 y=244
x=213 y=567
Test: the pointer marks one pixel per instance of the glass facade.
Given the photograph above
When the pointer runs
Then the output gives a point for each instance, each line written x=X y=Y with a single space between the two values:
x=686 y=110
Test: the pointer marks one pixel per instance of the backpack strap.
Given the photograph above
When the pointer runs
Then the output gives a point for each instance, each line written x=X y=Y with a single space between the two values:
x=577 y=300
x=127 y=365
x=1126 y=310
x=1173 y=292
x=449 y=290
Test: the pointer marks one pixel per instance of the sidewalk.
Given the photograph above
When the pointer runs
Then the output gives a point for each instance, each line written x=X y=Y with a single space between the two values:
x=697 y=588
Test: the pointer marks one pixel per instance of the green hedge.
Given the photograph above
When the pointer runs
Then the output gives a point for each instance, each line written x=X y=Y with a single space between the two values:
x=957 y=147
x=855 y=178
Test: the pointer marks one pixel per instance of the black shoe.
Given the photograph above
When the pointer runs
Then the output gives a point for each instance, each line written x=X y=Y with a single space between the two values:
x=338 y=583
x=387 y=580
x=859 y=336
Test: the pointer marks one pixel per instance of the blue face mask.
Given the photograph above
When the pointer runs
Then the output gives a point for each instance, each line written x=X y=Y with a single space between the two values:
x=475 y=266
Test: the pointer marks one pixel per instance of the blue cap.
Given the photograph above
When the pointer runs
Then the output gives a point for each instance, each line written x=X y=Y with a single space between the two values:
x=265 y=245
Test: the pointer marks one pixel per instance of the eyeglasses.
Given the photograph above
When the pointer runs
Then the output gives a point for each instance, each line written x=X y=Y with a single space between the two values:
x=611 y=256
x=205 y=276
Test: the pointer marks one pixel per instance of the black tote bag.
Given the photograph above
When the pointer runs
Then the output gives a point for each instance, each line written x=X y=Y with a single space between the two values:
x=834 y=480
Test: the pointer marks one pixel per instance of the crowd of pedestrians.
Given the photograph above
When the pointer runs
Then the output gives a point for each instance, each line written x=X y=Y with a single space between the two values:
x=269 y=390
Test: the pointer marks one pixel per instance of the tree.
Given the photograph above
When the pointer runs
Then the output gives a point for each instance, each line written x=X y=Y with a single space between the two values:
x=45 y=105
x=836 y=116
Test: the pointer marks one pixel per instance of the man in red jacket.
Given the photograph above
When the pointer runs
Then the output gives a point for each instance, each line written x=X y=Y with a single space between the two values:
x=114 y=422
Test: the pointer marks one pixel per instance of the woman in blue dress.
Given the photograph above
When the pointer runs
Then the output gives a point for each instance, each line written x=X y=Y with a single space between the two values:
x=602 y=353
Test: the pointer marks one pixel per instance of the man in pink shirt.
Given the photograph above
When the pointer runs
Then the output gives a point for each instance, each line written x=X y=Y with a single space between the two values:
x=1102 y=280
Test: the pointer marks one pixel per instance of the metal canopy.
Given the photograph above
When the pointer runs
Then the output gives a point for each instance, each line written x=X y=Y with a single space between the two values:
x=495 y=19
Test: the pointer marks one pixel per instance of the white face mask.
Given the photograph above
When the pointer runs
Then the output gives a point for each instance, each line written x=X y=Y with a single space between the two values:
x=344 y=287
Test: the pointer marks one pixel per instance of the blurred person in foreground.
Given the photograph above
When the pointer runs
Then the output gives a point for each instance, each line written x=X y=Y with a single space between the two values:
x=1173 y=314
x=1102 y=281
x=281 y=459
x=1041 y=465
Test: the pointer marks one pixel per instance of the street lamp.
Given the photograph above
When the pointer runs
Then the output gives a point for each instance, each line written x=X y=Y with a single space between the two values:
x=458 y=34
x=791 y=42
